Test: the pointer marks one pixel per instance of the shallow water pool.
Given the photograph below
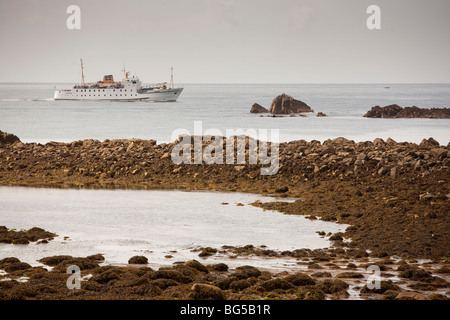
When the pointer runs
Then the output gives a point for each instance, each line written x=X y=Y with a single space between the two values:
x=123 y=223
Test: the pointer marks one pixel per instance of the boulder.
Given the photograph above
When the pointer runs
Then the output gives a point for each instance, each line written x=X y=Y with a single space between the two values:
x=409 y=295
x=196 y=265
x=96 y=257
x=320 y=114
x=331 y=286
x=54 y=260
x=239 y=285
x=105 y=276
x=7 y=138
x=138 y=260
x=275 y=284
x=207 y=292
x=285 y=104
x=172 y=275
x=300 y=279
x=218 y=267
x=385 y=285
x=415 y=274
x=256 y=108
x=350 y=275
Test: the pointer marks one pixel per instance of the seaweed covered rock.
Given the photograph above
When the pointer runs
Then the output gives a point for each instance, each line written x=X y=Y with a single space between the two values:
x=300 y=279
x=138 y=260
x=105 y=276
x=24 y=236
x=61 y=263
x=203 y=291
x=275 y=284
x=12 y=264
x=196 y=265
x=384 y=286
x=333 y=286
x=249 y=271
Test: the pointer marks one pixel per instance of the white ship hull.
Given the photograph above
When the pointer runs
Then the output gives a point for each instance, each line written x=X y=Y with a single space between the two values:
x=128 y=93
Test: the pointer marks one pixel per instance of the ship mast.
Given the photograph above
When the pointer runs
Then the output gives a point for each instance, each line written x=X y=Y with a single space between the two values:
x=125 y=72
x=171 y=78
x=82 y=73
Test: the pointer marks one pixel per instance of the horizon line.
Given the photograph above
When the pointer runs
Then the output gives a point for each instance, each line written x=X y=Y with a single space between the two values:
x=256 y=83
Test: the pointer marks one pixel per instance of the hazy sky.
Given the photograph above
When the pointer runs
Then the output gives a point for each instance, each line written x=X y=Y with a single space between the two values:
x=227 y=41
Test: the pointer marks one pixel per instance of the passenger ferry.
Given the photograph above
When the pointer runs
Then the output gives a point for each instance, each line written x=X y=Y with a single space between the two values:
x=129 y=89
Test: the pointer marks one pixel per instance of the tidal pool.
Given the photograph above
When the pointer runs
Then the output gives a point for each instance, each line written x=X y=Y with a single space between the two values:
x=123 y=223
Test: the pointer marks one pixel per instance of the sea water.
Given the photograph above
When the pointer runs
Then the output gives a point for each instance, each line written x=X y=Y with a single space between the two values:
x=123 y=223
x=29 y=111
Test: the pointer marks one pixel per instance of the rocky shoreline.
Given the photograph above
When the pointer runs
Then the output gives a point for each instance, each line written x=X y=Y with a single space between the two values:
x=321 y=274
x=394 y=195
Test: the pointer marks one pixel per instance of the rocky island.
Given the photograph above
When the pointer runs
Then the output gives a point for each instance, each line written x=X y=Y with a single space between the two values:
x=283 y=105
x=395 y=111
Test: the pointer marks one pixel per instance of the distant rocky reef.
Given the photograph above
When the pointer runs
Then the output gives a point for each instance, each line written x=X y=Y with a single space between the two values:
x=395 y=111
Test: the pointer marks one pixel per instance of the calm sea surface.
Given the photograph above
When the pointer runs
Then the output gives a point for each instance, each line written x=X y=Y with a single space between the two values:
x=29 y=111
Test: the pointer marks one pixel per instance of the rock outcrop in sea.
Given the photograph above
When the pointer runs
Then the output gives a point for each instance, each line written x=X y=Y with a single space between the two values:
x=282 y=105
x=257 y=108
x=395 y=111
x=285 y=104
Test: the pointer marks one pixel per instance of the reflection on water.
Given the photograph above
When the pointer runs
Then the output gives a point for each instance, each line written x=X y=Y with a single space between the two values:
x=123 y=223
